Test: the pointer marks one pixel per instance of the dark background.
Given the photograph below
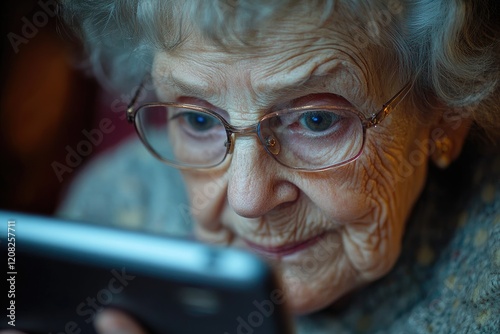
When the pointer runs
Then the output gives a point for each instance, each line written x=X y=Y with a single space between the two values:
x=47 y=99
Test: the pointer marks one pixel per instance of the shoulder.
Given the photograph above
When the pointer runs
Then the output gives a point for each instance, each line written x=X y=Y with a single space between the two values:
x=128 y=187
x=462 y=292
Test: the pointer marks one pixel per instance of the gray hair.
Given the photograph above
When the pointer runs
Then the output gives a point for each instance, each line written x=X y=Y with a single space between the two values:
x=454 y=45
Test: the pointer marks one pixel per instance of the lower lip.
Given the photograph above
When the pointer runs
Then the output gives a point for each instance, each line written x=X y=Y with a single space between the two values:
x=278 y=252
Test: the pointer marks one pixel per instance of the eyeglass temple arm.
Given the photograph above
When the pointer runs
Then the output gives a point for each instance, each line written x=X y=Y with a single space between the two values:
x=130 y=108
x=391 y=104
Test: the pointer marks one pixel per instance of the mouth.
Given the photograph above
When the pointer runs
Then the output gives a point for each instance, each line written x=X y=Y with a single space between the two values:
x=283 y=250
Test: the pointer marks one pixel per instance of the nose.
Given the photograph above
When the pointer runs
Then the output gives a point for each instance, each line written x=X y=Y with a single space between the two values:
x=257 y=184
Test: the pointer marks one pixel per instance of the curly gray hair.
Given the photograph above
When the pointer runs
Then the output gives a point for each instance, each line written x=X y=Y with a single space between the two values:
x=454 y=45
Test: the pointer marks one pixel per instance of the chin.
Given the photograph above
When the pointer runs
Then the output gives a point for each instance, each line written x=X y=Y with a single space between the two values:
x=301 y=300
x=305 y=294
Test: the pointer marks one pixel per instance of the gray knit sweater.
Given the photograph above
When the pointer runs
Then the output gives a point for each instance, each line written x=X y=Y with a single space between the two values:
x=447 y=279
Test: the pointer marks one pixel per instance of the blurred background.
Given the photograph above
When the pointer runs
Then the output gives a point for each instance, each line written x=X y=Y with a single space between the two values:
x=47 y=104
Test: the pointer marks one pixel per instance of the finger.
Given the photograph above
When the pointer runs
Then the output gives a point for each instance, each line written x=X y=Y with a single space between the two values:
x=111 y=321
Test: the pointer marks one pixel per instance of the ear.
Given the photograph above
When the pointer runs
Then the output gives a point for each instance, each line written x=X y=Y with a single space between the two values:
x=448 y=135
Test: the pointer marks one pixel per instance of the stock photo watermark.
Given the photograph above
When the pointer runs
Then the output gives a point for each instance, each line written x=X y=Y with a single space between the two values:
x=74 y=156
x=96 y=136
x=263 y=310
x=11 y=272
x=88 y=309
x=30 y=26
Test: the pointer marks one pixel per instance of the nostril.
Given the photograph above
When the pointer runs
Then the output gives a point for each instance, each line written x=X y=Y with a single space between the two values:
x=285 y=205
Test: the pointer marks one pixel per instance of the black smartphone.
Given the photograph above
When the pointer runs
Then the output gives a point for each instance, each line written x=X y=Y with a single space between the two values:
x=61 y=273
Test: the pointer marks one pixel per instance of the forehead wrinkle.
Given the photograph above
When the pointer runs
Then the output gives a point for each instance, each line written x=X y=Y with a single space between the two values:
x=265 y=86
x=275 y=74
x=183 y=74
x=328 y=74
x=276 y=45
x=256 y=95
x=314 y=56
x=287 y=79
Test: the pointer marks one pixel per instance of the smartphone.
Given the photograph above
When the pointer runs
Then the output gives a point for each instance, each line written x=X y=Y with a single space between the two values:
x=61 y=273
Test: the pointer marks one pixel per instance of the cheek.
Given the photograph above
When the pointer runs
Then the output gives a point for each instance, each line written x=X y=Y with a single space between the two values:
x=397 y=165
x=339 y=194
x=392 y=175
x=372 y=198
x=207 y=193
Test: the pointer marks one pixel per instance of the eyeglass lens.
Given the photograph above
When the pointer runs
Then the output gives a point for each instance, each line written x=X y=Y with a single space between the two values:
x=302 y=138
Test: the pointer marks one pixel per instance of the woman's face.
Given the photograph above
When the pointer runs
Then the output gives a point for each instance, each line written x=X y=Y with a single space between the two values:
x=325 y=232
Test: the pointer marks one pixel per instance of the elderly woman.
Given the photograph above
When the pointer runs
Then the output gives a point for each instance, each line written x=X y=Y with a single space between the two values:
x=309 y=132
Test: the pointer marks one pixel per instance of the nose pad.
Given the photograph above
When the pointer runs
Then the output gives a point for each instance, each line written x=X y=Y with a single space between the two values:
x=229 y=146
x=270 y=142
x=273 y=145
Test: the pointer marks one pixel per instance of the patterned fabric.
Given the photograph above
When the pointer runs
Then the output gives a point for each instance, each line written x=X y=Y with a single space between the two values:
x=447 y=279
x=129 y=188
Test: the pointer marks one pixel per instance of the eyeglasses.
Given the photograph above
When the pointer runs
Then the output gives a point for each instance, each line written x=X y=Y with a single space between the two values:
x=307 y=138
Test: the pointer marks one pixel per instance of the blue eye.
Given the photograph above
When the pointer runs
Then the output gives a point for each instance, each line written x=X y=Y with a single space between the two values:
x=318 y=121
x=200 y=122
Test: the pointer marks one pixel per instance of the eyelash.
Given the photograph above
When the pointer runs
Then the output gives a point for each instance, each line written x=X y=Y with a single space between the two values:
x=316 y=99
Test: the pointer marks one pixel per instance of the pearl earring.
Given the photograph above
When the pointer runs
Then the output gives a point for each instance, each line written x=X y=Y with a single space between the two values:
x=442 y=154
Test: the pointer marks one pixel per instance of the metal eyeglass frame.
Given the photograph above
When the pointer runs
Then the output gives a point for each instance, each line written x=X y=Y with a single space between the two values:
x=367 y=122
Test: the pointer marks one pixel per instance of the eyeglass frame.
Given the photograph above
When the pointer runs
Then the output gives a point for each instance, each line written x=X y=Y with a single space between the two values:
x=367 y=122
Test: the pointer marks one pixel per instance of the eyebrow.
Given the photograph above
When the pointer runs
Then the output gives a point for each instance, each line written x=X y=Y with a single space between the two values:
x=206 y=91
x=286 y=91
x=186 y=87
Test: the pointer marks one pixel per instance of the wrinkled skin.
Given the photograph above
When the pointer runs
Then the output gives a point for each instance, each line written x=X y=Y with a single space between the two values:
x=358 y=211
